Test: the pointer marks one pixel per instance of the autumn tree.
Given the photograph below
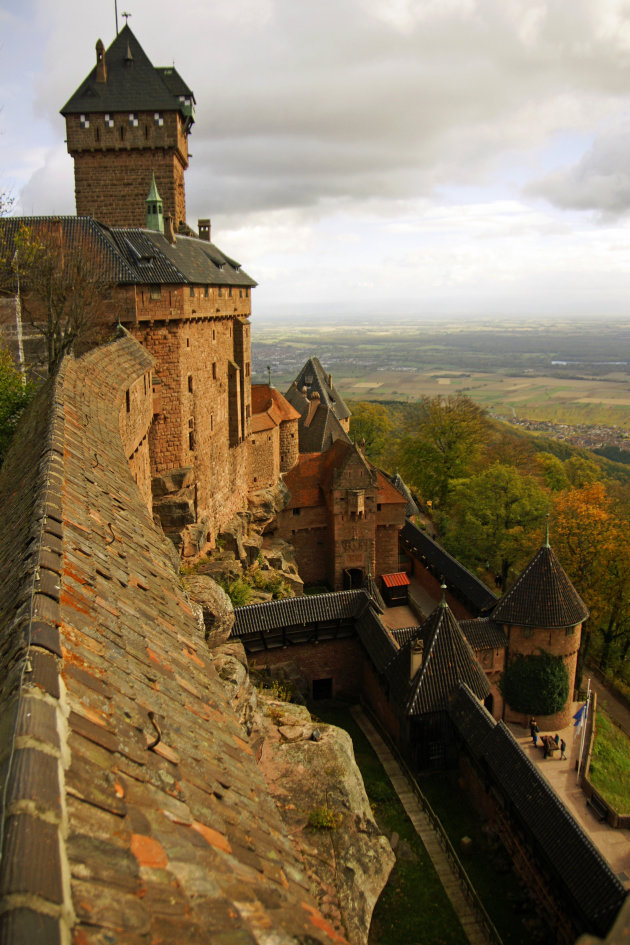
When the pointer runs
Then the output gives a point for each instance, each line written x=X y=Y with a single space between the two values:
x=371 y=423
x=495 y=520
x=444 y=443
x=64 y=285
x=590 y=539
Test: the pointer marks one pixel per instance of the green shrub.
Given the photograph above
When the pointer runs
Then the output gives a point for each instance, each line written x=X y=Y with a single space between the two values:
x=537 y=684
x=324 y=818
x=236 y=589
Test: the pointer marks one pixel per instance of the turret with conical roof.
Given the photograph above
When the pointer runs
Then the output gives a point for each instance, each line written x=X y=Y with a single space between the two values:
x=126 y=121
x=155 y=209
x=543 y=612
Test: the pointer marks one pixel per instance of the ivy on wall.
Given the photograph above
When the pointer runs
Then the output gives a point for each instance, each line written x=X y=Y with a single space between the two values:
x=537 y=684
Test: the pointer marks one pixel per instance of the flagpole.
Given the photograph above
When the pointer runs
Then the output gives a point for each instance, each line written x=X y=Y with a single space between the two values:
x=583 y=723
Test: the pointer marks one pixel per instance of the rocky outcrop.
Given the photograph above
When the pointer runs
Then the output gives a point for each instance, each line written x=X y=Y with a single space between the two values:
x=216 y=607
x=313 y=777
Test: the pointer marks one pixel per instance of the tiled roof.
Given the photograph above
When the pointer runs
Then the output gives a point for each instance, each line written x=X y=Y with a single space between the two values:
x=402 y=634
x=483 y=633
x=135 y=256
x=399 y=484
x=314 y=378
x=269 y=400
x=188 y=260
x=77 y=233
x=542 y=596
x=133 y=801
x=593 y=891
x=387 y=493
x=371 y=588
x=378 y=644
x=400 y=579
x=133 y=83
x=297 y=611
x=447 y=661
x=324 y=427
x=449 y=569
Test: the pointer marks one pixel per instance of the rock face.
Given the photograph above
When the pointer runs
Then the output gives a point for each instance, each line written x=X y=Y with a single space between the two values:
x=314 y=779
x=216 y=607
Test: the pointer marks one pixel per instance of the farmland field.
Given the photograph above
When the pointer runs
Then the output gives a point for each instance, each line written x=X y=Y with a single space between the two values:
x=565 y=373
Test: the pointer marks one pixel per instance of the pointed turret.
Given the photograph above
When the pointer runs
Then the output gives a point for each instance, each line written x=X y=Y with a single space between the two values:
x=446 y=661
x=542 y=596
x=155 y=208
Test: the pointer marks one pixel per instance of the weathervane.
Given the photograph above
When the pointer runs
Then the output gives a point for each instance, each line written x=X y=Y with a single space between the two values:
x=126 y=16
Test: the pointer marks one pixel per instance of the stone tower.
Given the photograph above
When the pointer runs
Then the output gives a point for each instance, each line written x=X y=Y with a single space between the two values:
x=542 y=611
x=128 y=121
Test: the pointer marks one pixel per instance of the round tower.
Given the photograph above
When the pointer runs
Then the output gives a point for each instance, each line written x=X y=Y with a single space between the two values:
x=543 y=613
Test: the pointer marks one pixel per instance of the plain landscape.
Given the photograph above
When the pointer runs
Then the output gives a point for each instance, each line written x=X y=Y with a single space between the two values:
x=566 y=373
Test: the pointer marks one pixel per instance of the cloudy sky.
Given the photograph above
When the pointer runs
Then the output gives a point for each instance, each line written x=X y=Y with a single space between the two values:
x=416 y=158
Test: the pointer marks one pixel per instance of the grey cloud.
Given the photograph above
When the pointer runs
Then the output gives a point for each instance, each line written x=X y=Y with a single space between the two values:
x=600 y=181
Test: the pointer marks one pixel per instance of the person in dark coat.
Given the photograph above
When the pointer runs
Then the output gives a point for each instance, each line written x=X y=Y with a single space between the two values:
x=563 y=749
x=556 y=738
x=533 y=729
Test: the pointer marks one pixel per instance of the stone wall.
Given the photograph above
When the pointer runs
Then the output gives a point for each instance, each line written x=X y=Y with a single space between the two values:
x=264 y=458
x=135 y=417
x=338 y=660
x=289 y=444
x=113 y=166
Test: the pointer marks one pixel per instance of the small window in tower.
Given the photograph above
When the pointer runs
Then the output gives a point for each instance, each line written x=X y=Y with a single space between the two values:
x=84 y=121
x=122 y=132
x=128 y=401
x=240 y=293
x=214 y=370
x=206 y=291
x=211 y=422
x=190 y=384
x=191 y=291
x=133 y=119
x=158 y=118
x=146 y=132
x=109 y=121
x=97 y=134
x=220 y=292
x=230 y=291
x=156 y=291
x=188 y=342
x=214 y=335
x=246 y=293
x=247 y=369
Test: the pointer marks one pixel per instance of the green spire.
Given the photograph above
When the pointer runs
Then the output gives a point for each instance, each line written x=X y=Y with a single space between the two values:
x=155 y=209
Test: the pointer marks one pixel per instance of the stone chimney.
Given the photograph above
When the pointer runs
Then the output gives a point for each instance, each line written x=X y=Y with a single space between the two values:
x=312 y=408
x=416 y=654
x=204 y=230
x=101 y=65
x=169 y=231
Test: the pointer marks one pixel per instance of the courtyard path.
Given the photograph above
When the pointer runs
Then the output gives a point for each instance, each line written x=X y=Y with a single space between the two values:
x=473 y=928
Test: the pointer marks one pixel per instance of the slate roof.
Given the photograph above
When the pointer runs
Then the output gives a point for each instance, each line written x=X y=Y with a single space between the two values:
x=483 y=633
x=542 y=596
x=134 y=808
x=402 y=634
x=323 y=429
x=447 y=661
x=399 y=484
x=590 y=886
x=458 y=578
x=316 y=380
x=297 y=611
x=135 y=256
x=377 y=642
x=133 y=84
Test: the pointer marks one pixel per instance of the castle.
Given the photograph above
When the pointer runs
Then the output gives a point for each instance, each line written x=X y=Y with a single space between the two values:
x=173 y=403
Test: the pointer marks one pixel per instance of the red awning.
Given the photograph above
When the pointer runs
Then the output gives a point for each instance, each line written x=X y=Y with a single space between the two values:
x=396 y=580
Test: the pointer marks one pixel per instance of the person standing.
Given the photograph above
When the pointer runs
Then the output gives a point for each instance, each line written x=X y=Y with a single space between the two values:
x=563 y=749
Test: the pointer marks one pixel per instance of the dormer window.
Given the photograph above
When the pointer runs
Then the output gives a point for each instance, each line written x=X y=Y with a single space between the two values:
x=158 y=118
x=109 y=121
x=84 y=121
x=133 y=119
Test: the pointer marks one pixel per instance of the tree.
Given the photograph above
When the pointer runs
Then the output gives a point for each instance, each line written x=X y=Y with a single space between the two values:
x=372 y=423
x=591 y=540
x=444 y=444
x=552 y=471
x=536 y=685
x=64 y=285
x=14 y=397
x=494 y=520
